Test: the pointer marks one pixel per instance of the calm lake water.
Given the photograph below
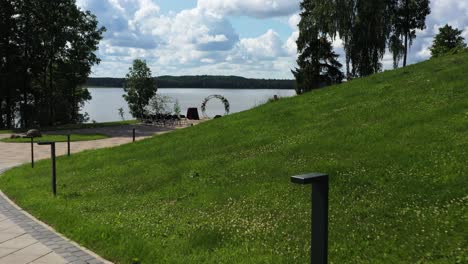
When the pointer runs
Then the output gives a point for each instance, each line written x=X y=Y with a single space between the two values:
x=103 y=107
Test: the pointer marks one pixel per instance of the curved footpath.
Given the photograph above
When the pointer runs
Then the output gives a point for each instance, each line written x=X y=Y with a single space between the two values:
x=23 y=238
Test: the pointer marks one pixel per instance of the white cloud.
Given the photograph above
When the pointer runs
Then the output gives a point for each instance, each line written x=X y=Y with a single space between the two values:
x=254 y=8
x=188 y=41
x=146 y=8
x=294 y=21
x=266 y=46
x=205 y=31
x=291 y=46
x=202 y=40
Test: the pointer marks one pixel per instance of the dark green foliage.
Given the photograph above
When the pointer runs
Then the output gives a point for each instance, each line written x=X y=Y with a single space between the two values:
x=318 y=64
x=446 y=40
x=46 y=54
x=370 y=26
x=363 y=26
x=397 y=49
x=367 y=28
x=202 y=81
x=395 y=145
x=140 y=87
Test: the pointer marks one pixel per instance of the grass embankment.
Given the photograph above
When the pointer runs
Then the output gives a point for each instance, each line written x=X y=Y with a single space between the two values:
x=395 y=145
x=56 y=138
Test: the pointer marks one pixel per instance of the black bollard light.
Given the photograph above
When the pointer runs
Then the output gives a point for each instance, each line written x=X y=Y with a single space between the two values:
x=133 y=134
x=54 y=171
x=319 y=236
x=32 y=152
x=68 y=144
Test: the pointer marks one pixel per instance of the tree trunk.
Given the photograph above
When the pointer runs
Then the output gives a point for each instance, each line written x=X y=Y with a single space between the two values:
x=24 y=104
x=2 y=124
x=406 y=29
x=4 y=110
x=9 y=114
x=406 y=49
x=74 y=108
x=51 y=98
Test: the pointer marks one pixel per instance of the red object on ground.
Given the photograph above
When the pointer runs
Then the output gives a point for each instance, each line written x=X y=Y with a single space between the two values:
x=192 y=113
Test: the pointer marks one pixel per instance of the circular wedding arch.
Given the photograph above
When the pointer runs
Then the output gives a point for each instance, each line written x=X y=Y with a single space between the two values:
x=217 y=96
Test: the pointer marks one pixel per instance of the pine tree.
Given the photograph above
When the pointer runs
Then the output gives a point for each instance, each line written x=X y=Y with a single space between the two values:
x=318 y=64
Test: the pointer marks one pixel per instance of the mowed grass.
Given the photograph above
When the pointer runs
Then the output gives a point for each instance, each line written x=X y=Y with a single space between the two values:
x=56 y=138
x=395 y=145
x=92 y=125
x=76 y=126
x=6 y=131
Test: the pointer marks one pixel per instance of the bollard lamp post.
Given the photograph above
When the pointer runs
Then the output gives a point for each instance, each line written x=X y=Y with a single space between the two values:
x=319 y=236
x=68 y=144
x=54 y=171
x=32 y=152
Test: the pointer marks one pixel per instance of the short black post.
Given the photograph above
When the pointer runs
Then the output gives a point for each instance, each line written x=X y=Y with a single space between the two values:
x=54 y=170
x=319 y=237
x=68 y=144
x=32 y=152
x=133 y=134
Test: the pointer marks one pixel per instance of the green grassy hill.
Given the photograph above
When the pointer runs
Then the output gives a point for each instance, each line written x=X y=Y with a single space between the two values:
x=395 y=145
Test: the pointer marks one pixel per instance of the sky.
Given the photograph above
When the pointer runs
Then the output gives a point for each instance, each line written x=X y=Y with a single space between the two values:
x=250 y=38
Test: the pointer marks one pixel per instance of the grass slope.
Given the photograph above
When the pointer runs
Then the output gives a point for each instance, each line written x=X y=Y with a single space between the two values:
x=395 y=145
x=57 y=138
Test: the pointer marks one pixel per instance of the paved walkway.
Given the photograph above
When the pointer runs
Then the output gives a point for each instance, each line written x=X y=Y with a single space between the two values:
x=14 y=154
x=24 y=239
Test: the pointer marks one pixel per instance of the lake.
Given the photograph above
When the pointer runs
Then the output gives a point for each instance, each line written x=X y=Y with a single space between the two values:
x=105 y=102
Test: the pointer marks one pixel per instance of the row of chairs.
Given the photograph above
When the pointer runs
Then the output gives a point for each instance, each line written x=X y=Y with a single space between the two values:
x=166 y=120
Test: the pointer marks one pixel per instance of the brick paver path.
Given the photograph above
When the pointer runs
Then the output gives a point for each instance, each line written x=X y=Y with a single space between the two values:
x=24 y=239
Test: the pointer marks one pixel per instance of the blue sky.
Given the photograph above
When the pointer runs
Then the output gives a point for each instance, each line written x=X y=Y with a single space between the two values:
x=251 y=38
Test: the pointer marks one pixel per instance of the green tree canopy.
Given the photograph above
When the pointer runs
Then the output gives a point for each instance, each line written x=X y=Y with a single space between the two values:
x=363 y=26
x=46 y=54
x=368 y=28
x=446 y=40
x=140 y=87
x=408 y=15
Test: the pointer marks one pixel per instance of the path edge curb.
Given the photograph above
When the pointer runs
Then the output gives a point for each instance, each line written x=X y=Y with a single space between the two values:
x=2 y=194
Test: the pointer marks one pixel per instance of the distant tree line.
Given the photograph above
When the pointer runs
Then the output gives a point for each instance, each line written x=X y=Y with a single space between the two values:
x=203 y=81
x=366 y=28
x=46 y=54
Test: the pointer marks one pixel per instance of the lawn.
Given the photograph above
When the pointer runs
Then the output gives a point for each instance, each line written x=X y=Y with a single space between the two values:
x=92 y=125
x=56 y=138
x=395 y=145
x=4 y=131
x=76 y=126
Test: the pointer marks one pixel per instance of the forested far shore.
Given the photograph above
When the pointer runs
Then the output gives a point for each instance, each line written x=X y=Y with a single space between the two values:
x=202 y=81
